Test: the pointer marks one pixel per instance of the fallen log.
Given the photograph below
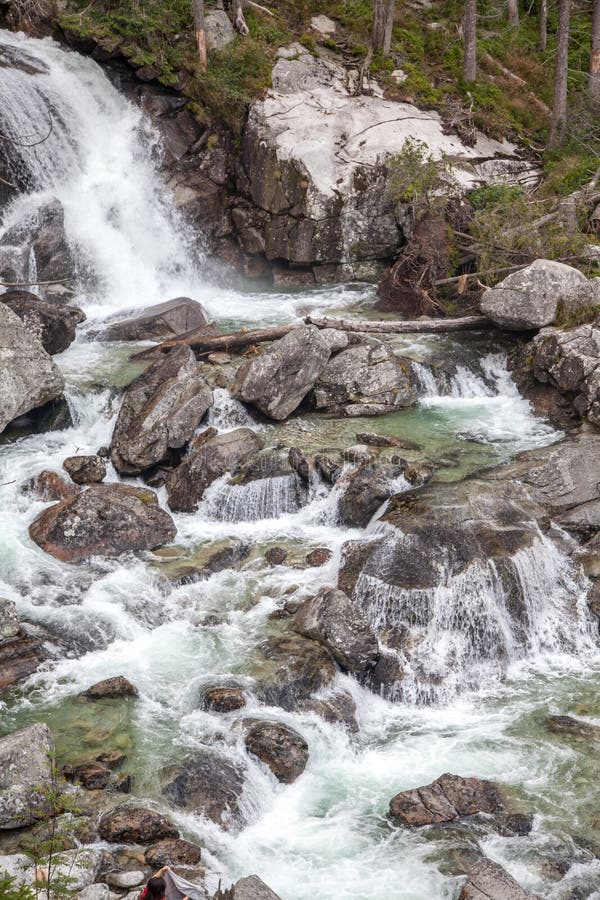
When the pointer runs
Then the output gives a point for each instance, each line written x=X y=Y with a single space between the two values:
x=418 y=326
x=222 y=342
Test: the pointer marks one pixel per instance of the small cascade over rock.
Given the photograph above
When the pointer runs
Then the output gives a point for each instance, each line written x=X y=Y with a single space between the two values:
x=263 y=498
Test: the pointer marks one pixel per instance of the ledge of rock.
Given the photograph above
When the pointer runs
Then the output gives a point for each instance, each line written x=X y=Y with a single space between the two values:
x=334 y=620
x=103 y=520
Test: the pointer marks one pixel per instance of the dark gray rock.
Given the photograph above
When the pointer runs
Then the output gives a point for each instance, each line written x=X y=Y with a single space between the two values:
x=103 y=520
x=160 y=412
x=279 y=379
x=250 y=888
x=365 y=380
x=446 y=799
x=29 y=377
x=370 y=486
x=117 y=686
x=54 y=326
x=208 y=784
x=211 y=456
x=489 y=881
x=569 y=360
x=528 y=299
x=25 y=770
x=20 y=652
x=85 y=469
x=334 y=620
x=291 y=670
x=279 y=747
x=161 y=322
x=131 y=823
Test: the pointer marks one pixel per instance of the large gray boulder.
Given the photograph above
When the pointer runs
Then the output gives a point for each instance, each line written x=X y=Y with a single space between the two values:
x=25 y=769
x=529 y=298
x=211 y=456
x=250 y=888
x=569 y=360
x=160 y=412
x=279 y=379
x=161 y=322
x=334 y=620
x=208 y=784
x=104 y=520
x=29 y=378
x=489 y=881
x=54 y=326
x=365 y=380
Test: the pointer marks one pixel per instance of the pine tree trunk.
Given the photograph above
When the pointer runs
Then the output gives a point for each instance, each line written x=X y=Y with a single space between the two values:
x=238 y=18
x=383 y=22
x=513 y=12
x=543 y=24
x=200 y=33
x=594 y=77
x=558 y=122
x=470 y=41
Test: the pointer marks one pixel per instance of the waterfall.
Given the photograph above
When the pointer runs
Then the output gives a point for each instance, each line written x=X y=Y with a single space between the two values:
x=263 y=498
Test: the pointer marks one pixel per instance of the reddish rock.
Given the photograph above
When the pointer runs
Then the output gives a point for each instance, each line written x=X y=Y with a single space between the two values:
x=93 y=777
x=131 y=824
x=222 y=699
x=447 y=798
x=276 y=556
x=118 y=686
x=319 y=557
x=173 y=852
x=50 y=486
x=279 y=747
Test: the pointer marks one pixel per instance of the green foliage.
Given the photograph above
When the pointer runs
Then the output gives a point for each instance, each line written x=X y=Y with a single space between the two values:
x=571 y=318
x=495 y=195
x=11 y=890
x=416 y=177
x=569 y=172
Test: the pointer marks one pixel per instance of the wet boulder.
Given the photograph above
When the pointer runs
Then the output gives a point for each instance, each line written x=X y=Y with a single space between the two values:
x=370 y=486
x=173 y=852
x=446 y=799
x=110 y=688
x=210 y=456
x=208 y=784
x=292 y=668
x=569 y=361
x=489 y=881
x=54 y=326
x=25 y=769
x=336 y=707
x=160 y=412
x=334 y=620
x=104 y=520
x=162 y=322
x=250 y=888
x=528 y=299
x=222 y=698
x=29 y=377
x=279 y=747
x=364 y=380
x=48 y=486
x=20 y=652
x=279 y=379
x=131 y=823
x=85 y=469
x=571 y=727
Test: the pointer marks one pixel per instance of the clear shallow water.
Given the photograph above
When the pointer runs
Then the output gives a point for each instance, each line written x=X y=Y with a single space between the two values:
x=326 y=835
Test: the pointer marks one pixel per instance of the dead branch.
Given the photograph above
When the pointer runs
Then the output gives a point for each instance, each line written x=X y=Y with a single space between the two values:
x=19 y=143
x=224 y=342
x=418 y=326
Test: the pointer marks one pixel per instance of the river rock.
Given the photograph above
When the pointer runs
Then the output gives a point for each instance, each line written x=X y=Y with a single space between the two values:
x=173 y=852
x=366 y=380
x=160 y=412
x=125 y=880
x=85 y=469
x=131 y=823
x=211 y=456
x=572 y=727
x=370 y=486
x=29 y=376
x=93 y=776
x=25 y=770
x=336 y=707
x=446 y=799
x=221 y=698
x=250 y=888
x=334 y=620
x=279 y=379
x=489 y=881
x=528 y=299
x=320 y=556
x=110 y=688
x=53 y=326
x=104 y=520
x=569 y=360
x=161 y=322
x=20 y=653
x=208 y=784
x=279 y=747
x=48 y=485
x=291 y=670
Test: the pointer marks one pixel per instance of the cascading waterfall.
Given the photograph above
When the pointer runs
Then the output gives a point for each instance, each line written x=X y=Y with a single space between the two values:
x=326 y=835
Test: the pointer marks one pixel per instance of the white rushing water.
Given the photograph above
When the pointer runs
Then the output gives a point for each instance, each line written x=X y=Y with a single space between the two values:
x=326 y=835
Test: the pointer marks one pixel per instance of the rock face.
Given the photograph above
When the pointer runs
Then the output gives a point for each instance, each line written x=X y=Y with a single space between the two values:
x=85 y=469
x=281 y=748
x=366 y=380
x=570 y=361
x=134 y=824
x=118 y=686
x=334 y=620
x=54 y=326
x=161 y=322
x=529 y=298
x=25 y=767
x=160 y=412
x=210 y=785
x=446 y=799
x=211 y=456
x=279 y=379
x=20 y=654
x=104 y=520
x=489 y=881
x=28 y=375
x=321 y=208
